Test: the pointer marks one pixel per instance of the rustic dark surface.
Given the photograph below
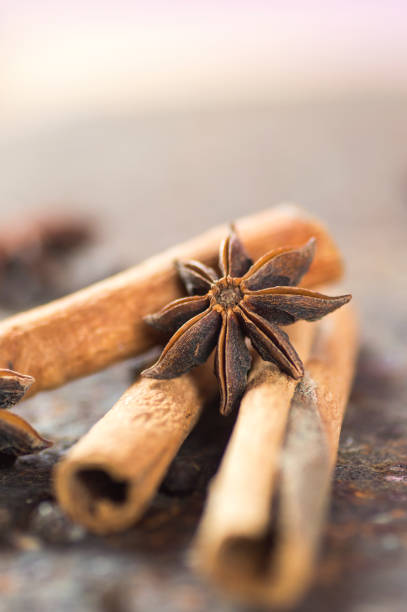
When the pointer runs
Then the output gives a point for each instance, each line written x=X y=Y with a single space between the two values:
x=345 y=160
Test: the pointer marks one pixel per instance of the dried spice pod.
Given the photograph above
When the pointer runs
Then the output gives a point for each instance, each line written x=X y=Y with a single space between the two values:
x=108 y=478
x=91 y=329
x=17 y=438
x=33 y=257
x=13 y=387
x=246 y=299
x=62 y=234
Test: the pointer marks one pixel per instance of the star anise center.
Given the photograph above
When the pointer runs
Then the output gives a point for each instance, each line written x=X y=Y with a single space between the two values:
x=225 y=293
x=249 y=299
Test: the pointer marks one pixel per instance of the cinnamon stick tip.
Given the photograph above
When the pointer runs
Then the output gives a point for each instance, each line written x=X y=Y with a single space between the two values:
x=92 y=494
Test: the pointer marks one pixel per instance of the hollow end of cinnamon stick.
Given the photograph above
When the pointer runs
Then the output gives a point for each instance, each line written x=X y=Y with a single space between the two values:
x=261 y=549
x=102 y=498
x=108 y=478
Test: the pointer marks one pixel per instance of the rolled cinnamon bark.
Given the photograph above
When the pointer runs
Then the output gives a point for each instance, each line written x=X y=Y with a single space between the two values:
x=310 y=454
x=240 y=495
x=87 y=331
x=108 y=478
x=236 y=545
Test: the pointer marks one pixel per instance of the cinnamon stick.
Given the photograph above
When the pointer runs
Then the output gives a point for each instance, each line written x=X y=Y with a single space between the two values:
x=130 y=454
x=239 y=503
x=310 y=453
x=88 y=330
x=235 y=545
x=109 y=477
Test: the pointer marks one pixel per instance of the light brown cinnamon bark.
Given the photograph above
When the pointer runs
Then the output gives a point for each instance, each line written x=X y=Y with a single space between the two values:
x=233 y=545
x=87 y=331
x=109 y=477
x=240 y=497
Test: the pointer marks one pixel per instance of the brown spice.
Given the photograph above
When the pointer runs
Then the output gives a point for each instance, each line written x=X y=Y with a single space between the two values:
x=97 y=326
x=32 y=257
x=13 y=387
x=251 y=299
x=233 y=546
x=17 y=437
x=109 y=477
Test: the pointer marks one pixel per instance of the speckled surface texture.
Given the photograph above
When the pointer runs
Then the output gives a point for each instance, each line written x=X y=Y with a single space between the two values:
x=152 y=181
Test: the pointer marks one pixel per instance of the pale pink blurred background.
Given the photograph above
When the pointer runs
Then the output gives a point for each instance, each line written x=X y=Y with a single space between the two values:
x=60 y=59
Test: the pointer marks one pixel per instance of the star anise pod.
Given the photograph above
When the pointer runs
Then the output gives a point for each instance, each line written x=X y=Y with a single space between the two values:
x=247 y=299
x=17 y=437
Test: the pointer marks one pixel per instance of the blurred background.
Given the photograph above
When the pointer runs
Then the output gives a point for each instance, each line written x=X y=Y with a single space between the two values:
x=70 y=59
x=160 y=119
x=155 y=120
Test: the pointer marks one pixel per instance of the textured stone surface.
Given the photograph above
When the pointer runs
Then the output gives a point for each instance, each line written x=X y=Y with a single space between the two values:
x=344 y=160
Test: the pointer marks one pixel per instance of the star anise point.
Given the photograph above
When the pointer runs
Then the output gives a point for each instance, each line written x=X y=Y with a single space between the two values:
x=246 y=299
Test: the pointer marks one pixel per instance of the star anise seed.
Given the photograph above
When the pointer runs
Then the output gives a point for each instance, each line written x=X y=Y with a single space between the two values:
x=17 y=437
x=247 y=299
